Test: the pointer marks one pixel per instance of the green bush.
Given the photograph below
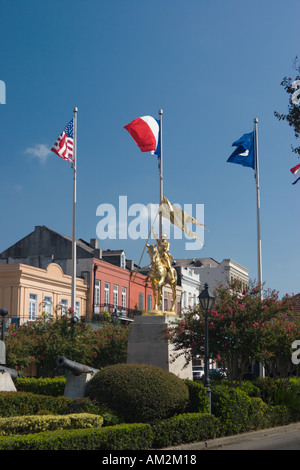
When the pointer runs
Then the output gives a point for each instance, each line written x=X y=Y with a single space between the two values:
x=278 y=416
x=139 y=393
x=232 y=407
x=42 y=386
x=198 y=400
x=252 y=390
x=33 y=424
x=267 y=387
x=23 y=403
x=121 y=437
x=259 y=414
x=294 y=383
x=185 y=428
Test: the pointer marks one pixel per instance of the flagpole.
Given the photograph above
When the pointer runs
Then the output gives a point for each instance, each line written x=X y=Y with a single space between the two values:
x=259 y=258
x=74 y=166
x=160 y=166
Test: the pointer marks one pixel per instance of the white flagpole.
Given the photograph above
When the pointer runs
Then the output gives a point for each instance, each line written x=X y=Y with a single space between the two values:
x=74 y=166
x=160 y=166
x=259 y=259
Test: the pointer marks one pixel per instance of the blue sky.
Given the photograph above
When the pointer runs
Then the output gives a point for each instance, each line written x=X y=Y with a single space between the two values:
x=211 y=66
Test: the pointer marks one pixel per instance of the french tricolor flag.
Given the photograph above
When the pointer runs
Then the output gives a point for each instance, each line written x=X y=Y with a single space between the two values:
x=145 y=132
x=294 y=170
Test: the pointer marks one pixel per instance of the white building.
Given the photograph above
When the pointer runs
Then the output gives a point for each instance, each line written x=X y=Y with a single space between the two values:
x=214 y=273
x=189 y=281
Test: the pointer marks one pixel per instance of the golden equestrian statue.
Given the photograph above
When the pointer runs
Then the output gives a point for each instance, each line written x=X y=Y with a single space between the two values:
x=161 y=271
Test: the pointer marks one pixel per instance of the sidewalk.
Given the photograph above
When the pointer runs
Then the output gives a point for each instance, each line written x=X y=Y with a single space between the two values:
x=212 y=444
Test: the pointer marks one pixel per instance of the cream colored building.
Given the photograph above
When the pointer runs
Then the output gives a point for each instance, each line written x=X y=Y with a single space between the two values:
x=26 y=291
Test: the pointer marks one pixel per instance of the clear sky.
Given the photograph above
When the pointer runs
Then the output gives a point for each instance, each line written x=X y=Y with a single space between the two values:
x=211 y=66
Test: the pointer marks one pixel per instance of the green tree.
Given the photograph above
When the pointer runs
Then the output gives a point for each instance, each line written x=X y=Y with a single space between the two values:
x=43 y=341
x=293 y=116
x=242 y=328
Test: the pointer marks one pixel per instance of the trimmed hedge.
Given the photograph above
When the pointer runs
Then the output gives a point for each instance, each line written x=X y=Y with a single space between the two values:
x=33 y=424
x=176 y=430
x=139 y=393
x=233 y=410
x=185 y=428
x=42 y=386
x=120 y=437
x=22 y=403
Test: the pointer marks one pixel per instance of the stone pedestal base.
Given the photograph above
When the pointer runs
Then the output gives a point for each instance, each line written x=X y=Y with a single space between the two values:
x=6 y=383
x=75 y=385
x=147 y=344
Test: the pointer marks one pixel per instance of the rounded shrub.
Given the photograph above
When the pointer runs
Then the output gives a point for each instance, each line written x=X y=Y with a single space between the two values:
x=139 y=393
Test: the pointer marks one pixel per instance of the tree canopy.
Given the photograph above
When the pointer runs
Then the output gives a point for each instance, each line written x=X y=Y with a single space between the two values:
x=242 y=328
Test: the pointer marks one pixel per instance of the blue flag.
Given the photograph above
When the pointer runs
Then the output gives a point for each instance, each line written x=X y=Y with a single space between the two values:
x=244 y=153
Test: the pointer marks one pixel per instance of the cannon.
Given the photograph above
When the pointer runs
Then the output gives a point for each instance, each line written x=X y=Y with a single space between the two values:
x=75 y=367
x=78 y=377
x=12 y=372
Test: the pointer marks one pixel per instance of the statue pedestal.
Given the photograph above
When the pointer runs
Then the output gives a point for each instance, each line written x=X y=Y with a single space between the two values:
x=6 y=383
x=147 y=344
x=75 y=385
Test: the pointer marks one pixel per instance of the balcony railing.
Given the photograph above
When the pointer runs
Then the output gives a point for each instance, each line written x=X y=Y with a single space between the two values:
x=115 y=311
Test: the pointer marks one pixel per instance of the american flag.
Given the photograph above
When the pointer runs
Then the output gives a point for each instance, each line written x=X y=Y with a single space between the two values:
x=63 y=147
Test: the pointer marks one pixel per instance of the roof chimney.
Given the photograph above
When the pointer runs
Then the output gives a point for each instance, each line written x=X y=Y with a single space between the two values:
x=94 y=242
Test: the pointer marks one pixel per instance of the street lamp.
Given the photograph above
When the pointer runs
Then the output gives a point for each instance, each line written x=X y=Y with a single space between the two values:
x=207 y=301
x=3 y=313
x=74 y=319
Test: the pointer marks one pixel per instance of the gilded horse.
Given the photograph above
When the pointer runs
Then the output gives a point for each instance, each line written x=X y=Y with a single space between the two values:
x=160 y=275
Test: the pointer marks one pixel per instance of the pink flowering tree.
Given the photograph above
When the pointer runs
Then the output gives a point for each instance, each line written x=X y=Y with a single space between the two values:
x=242 y=329
x=40 y=343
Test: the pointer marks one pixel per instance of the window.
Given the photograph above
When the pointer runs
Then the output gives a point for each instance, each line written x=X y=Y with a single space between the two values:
x=149 y=302
x=77 y=309
x=124 y=298
x=64 y=306
x=141 y=301
x=106 y=294
x=97 y=296
x=48 y=305
x=116 y=295
x=32 y=307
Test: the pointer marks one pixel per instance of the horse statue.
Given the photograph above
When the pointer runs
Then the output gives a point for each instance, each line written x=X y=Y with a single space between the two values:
x=161 y=273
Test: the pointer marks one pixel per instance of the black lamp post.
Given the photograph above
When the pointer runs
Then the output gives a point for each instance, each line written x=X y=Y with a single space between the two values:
x=3 y=313
x=74 y=319
x=207 y=301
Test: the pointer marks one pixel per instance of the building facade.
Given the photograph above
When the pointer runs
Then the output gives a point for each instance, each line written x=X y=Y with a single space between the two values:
x=214 y=273
x=27 y=291
x=189 y=281
x=111 y=280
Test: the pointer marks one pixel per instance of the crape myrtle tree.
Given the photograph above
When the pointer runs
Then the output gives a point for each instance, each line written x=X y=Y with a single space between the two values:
x=291 y=87
x=242 y=329
x=41 y=342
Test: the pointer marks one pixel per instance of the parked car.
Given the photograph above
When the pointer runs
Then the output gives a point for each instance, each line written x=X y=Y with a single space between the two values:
x=217 y=373
x=198 y=372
